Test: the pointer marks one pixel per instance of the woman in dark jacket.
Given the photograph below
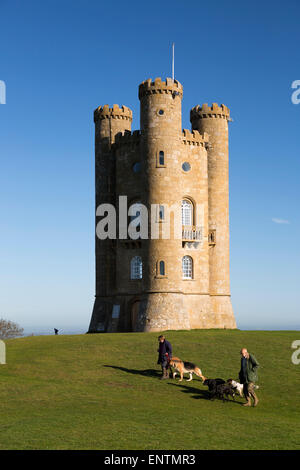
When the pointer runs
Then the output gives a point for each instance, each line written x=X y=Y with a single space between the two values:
x=164 y=355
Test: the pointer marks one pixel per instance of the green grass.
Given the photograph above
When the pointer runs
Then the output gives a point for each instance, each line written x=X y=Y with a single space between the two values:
x=102 y=392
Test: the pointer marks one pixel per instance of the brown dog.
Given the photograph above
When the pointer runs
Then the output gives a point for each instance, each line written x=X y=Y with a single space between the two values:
x=184 y=367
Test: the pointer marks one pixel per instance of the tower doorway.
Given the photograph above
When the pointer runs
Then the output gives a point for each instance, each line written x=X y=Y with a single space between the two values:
x=134 y=314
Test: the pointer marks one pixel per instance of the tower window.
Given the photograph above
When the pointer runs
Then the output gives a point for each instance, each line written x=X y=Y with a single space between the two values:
x=212 y=237
x=136 y=268
x=161 y=213
x=187 y=212
x=187 y=267
x=186 y=166
x=162 y=268
x=161 y=158
x=137 y=167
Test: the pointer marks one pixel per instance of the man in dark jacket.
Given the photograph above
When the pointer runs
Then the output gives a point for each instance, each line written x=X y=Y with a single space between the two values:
x=164 y=355
x=248 y=376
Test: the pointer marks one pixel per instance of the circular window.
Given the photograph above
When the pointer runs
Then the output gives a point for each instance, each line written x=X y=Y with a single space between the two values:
x=186 y=166
x=161 y=112
x=137 y=167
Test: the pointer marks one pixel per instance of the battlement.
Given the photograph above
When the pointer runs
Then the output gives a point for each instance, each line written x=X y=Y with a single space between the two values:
x=127 y=138
x=194 y=138
x=105 y=112
x=214 y=111
x=171 y=86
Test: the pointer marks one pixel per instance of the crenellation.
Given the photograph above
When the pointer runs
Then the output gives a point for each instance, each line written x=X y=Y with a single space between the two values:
x=210 y=111
x=105 y=112
x=158 y=86
x=194 y=138
x=127 y=138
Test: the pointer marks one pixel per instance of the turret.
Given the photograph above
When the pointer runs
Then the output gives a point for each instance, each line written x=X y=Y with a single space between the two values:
x=108 y=123
x=111 y=121
x=161 y=107
x=214 y=120
x=161 y=132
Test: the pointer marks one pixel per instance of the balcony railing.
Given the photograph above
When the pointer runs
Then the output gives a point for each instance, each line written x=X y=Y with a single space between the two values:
x=191 y=233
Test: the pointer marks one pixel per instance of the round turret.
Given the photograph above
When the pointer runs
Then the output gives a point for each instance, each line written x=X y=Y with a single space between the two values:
x=214 y=120
x=111 y=121
x=161 y=107
x=105 y=112
x=170 y=86
x=206 y=111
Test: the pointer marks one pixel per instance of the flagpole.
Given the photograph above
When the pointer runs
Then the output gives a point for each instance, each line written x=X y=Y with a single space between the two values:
x=173 y=62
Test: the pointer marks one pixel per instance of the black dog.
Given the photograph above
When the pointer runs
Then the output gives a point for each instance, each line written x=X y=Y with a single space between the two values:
x=212 y=385
x=219 y=388
x=224 y=389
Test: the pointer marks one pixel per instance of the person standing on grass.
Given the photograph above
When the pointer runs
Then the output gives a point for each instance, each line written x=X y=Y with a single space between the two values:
x=164 y=355
x=248 y=376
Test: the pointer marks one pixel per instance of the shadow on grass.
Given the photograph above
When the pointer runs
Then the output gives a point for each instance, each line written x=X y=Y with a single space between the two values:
x=201 y=394
x=145 y=373
x=198 y=393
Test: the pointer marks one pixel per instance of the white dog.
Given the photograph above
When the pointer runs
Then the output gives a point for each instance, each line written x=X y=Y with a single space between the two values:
x=238 y=386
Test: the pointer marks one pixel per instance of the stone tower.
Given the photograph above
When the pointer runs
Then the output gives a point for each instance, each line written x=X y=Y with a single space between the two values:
x=172 y=275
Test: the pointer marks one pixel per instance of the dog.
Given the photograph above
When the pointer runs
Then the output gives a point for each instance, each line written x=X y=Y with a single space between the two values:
x=212 y=384
x=219 y=388
x=184 y=367
x=224 y=389
x=239 y=387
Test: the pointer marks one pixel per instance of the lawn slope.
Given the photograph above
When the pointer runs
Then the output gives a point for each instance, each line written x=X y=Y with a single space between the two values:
x=101 y=391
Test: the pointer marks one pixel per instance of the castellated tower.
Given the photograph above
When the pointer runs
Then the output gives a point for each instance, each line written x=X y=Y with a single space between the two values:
x=171 y=275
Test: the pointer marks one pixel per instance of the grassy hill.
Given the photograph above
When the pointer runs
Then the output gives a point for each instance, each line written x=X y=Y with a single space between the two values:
x=102 y=392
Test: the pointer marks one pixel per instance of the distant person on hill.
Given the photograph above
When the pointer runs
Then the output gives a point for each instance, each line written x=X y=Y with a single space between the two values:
x=248 y=376
x=164 y=355
x=55 y=331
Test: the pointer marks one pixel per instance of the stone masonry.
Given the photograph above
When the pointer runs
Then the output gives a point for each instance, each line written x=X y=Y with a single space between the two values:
x=164 y=165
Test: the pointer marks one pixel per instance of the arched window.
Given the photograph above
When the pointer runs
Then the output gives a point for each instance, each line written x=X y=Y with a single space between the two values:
x=187 y=212
x=161 y=268
x=136 y=268
x=187 y=267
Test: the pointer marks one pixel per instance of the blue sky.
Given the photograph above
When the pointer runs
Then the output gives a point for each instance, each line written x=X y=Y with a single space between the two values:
x=62 y=59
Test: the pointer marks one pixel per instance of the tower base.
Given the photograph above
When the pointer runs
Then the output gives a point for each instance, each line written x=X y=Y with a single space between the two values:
x=160 y=312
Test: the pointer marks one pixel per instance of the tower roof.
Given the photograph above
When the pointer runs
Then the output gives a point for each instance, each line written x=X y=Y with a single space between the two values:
x=149 y=87
x=210 y=111
x=105 y=112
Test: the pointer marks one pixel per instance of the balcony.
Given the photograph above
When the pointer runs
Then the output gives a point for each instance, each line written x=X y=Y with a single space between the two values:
x=191 y=234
